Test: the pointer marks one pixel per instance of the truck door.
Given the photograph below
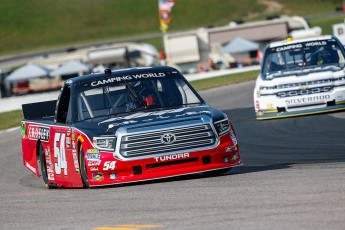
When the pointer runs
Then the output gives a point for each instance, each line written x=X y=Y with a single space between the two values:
x=65 y=161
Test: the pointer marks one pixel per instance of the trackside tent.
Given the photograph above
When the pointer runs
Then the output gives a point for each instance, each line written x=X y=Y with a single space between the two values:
x=72 y=67
x=28 y=72
x=239 y=45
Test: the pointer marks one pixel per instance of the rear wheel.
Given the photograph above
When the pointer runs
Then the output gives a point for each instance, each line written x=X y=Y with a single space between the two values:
x=83 y=170
x=216 y=172
x=43 y=167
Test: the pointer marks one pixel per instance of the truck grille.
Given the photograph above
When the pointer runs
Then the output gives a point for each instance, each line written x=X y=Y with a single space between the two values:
x=166 y=141
x=292 y=93
x=309 y=83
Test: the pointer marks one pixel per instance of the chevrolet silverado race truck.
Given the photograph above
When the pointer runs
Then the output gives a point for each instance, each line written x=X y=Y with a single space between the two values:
x=301 y=77
x=125 y=126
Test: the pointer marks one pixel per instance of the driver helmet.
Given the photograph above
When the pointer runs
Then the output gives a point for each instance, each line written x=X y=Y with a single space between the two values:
x=148 y=95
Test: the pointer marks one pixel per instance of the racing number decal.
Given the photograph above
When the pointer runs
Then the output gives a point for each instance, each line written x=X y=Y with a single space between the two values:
x=109 y=165
x=60 y=153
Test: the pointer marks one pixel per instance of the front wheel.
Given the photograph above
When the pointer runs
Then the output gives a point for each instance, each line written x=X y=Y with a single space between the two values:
x=216 y=172
x=83 y=169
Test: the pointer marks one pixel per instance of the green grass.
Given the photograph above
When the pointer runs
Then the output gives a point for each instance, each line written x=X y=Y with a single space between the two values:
x=40 y=24
x=10 y=119
x=307 y=7
x=13 y=118
x=326 y=23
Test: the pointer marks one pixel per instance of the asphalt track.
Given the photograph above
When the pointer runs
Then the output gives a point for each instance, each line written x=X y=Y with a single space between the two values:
x=293 y=177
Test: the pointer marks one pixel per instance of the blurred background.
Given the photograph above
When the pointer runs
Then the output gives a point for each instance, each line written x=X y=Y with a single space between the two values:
x=45 y=42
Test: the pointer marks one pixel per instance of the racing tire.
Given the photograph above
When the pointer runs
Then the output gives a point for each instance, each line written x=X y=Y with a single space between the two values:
x=82 y=166
x=43 y=168
x=216 y=172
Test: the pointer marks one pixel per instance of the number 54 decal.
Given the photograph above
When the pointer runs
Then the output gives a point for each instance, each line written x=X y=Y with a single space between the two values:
x=60 y=153
x=109 y=165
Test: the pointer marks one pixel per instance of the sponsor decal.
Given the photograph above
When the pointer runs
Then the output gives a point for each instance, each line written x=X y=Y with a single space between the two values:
x=164 y=114
x=97 y=176
x=93 y=162
x=233 y=137
x=37 y=132
x=339 y=98
x=145 y=114
x=172 y=157
x=73 y=145
x=112 y=176
x=126 y=78
x=68 y=143
x=30 y=167
x=168 y=138
x=50 y=175
x=49 y=164
x=316 y=43
x=307 y=99
x=228 y=149
x=75 y=160
x=94 y=169
x=80 y=138
x=235 y=157
x=69 y=132
x=289 y=47
x=123 y=123
x=23 y=129
x=93 y=154
x=110 y=80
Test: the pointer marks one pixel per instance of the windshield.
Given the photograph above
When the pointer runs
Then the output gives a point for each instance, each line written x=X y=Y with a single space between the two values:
x=126 y=94
x=302 y=57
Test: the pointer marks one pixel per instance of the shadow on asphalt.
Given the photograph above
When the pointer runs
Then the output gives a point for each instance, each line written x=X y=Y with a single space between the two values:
x=235 y=171
x=261 y=168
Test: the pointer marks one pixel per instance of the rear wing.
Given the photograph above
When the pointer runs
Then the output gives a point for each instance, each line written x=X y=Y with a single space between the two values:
x=39 y=109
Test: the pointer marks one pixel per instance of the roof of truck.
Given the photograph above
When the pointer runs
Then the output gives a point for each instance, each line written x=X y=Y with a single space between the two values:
x=116 y=73
x=292 y=41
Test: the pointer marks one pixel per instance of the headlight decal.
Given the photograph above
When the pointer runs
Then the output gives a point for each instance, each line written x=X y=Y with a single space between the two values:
x=222 y=127
x=105 y=143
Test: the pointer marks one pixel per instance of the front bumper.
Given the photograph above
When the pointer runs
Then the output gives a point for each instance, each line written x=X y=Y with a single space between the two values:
x=274 y=114
x=271 y=107
x=222 y=156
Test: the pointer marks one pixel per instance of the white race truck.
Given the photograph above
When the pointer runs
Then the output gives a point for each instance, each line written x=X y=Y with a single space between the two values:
x=301 y=77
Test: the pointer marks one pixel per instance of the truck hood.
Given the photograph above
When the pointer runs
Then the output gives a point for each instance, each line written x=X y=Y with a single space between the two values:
x=109 y=125
x=307 y=78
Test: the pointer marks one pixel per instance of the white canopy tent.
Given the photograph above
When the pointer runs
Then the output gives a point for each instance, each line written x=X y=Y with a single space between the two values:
x=72 y=67
x=239 y=45
x=28 y=72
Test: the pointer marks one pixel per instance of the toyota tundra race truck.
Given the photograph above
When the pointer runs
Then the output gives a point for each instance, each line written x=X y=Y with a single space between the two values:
x=301 y=77
x=125 y=126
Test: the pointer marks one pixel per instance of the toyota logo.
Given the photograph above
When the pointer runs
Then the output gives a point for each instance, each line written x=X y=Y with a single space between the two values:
x=168 y=138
